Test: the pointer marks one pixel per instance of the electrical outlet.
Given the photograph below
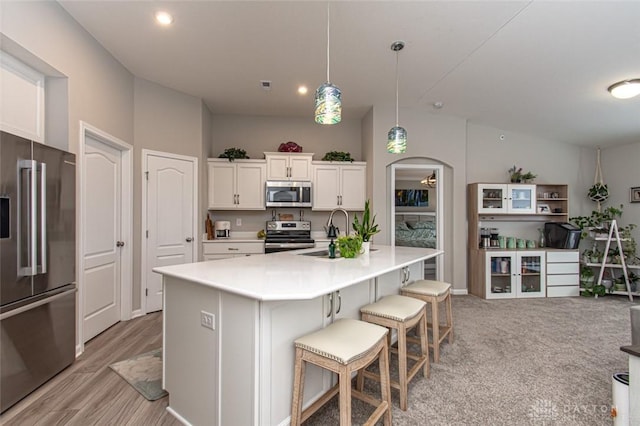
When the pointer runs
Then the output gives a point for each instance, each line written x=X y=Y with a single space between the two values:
x=238 y=221
x=207 y=320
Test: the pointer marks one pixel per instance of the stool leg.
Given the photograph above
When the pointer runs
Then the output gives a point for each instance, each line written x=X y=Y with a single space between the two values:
x=435 y=330
x=450 y=318
x=385 y=382
x=402 y=365
x=298 y=389
x=344 y=378
x=424 y=343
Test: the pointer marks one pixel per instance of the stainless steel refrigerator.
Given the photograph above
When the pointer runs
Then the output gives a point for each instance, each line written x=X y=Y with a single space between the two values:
x=37 y=265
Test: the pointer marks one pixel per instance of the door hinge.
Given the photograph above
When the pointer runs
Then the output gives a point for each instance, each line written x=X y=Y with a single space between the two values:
x=147 y=233
x=147 y=175
x=146 y=292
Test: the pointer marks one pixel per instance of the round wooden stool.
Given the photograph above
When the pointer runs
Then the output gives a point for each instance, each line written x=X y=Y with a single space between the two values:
x=402 y=314
x=434 y=292
x=343 y=347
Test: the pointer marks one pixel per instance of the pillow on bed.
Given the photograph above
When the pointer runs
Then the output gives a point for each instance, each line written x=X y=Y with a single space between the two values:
x=423 y=225
x=401 y=226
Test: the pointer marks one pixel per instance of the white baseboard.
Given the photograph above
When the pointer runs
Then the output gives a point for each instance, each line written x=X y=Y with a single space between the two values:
x=460 y=292
x=137 y=313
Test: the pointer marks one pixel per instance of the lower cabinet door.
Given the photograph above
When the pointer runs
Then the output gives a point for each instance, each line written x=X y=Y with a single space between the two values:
x=510 y=274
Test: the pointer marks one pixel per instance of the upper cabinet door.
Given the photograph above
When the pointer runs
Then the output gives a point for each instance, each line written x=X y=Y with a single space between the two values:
x=522 y=198
x=288 y=166
x=250 y=189
x=353 y=187
x=221 y=185
x=492 y=198
x=506 y=198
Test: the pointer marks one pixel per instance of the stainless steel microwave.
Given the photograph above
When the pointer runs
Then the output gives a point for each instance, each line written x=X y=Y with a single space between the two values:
x=288 y=194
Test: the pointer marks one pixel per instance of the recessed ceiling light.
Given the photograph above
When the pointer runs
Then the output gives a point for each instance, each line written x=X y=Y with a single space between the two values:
x=303 y=90
x=625 y=89
x=164 y=18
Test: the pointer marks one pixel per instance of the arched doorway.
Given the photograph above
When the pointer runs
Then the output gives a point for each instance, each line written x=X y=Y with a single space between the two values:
x=416 y=208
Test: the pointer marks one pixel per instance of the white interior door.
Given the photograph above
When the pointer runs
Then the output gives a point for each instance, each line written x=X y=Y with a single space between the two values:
x=171 y=203
x=102 y=175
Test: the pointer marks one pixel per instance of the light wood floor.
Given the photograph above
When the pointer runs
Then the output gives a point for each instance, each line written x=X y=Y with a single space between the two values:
x=90 y=393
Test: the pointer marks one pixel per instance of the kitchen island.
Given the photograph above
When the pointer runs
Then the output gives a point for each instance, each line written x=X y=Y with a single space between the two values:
x=229 y=326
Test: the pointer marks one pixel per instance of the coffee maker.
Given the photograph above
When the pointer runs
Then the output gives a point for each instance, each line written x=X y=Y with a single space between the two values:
x=494 y=241
x=485 y=237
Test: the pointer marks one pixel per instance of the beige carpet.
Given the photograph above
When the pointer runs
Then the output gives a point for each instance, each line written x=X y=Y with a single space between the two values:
x=144 y=373
x=518 y=362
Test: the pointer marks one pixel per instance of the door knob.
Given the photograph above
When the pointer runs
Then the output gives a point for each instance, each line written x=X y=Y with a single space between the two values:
x=119 y=243
x=189 y=239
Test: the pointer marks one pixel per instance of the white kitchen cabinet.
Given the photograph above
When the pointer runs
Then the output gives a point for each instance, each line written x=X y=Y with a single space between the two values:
x=563 y=273
x=224 y=249
x=236 y=185
x=276 y=372
x=391 y=282
x=339 y=186
x=288 y=166
x=510 y=274
x=506 y=198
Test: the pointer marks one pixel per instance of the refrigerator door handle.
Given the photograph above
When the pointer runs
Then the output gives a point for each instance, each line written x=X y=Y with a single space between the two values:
x=43 y=301
x=28 y=270
x=42 y=267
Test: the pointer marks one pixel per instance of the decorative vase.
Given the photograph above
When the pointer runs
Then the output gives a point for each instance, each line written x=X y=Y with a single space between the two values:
x=366 y=246
x=541 y=242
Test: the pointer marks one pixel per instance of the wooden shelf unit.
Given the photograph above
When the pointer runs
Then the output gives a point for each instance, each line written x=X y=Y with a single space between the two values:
x=476 y=256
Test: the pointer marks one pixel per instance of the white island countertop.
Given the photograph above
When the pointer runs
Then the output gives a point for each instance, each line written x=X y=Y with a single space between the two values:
x=290 y=275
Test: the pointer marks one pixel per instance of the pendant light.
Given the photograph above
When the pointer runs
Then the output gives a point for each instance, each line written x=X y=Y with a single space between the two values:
x=397 y=137
x=430 y=180
x=328 y=100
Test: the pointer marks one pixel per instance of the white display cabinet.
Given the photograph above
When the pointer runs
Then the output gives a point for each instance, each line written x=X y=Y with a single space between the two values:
x=506 y=198
x=515 y=274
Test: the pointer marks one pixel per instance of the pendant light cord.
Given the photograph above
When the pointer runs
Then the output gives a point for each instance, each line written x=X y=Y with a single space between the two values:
x=397 y=88
x=328 y=24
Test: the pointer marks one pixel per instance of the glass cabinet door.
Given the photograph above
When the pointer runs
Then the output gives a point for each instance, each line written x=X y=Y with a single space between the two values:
x=531 y=267
x=500 y=274
x=522 y=199
x=492 y=198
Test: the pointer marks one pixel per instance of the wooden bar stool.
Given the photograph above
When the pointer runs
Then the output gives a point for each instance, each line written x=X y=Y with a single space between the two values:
x=434 y=292
x=402 y=314
x=343 y=347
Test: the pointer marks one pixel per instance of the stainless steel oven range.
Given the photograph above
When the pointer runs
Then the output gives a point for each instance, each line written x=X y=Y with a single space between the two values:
x=283 y=235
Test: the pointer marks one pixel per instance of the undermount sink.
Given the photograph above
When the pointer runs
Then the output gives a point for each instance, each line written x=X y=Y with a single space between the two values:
x=319 y=253
x=324 y=253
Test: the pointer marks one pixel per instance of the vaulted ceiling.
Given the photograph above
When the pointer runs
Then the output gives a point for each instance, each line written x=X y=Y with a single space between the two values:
x=540 y=68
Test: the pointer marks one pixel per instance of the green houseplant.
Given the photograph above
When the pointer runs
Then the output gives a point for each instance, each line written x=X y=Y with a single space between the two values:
x=234 y=153
x=337 y=156
x=349 y=246
x=366 y=227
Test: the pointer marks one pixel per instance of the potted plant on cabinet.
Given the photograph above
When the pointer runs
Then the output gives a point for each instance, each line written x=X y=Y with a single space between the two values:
x=365 y=228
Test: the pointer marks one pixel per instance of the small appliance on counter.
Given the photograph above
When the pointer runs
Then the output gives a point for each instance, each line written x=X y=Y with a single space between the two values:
x=494 y=240
x=561 y=235
x=221 y=229
x=485 y=237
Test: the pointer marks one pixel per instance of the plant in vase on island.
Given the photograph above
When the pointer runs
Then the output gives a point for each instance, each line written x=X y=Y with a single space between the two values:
x=366 y=227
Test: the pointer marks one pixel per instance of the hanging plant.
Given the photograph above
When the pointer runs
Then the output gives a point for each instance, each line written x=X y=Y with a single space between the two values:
x=599 y=191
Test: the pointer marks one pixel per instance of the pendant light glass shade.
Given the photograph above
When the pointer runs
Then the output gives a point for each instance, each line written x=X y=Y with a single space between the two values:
x=328 y=99
x=397 y=140
x=397 y=137
x=328 y=104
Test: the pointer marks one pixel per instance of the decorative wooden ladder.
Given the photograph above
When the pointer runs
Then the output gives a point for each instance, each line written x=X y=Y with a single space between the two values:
x=613 y=231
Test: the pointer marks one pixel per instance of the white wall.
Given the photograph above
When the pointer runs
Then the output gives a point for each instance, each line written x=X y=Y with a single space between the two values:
x=621 y=171
x=259 y=134
x=100 y=88
x=432 y=139
x=168 y=121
